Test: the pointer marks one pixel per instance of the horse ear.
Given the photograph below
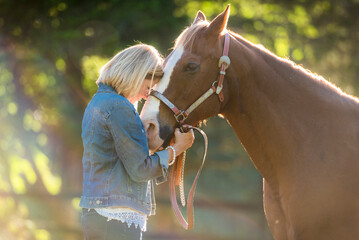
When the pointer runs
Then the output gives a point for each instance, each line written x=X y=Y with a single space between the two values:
x=200 y=17
x=219 y=24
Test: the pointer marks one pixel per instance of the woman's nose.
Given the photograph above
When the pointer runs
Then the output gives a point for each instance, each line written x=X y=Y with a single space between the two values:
x=146 y=96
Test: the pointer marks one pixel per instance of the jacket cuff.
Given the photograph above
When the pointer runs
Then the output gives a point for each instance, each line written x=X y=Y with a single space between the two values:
x=164 y=162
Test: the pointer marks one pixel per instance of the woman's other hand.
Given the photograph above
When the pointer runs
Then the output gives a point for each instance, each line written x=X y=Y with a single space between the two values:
x=183 y=141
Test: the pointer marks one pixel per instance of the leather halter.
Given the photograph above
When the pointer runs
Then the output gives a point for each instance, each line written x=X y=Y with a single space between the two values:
x=180 y=115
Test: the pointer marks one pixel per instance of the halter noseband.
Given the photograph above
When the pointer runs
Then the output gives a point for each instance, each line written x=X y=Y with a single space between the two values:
x=180 y=115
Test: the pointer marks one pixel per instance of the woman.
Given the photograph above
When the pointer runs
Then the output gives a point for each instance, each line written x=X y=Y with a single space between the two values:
x=118 y=171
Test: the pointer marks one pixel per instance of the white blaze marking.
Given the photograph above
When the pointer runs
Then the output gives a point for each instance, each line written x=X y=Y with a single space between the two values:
x=153 y=104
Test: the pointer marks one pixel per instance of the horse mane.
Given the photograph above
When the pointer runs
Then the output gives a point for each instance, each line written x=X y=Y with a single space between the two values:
x=301 y=72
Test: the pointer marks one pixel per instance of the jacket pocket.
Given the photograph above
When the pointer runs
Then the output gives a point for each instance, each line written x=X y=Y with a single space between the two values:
x=136 y=189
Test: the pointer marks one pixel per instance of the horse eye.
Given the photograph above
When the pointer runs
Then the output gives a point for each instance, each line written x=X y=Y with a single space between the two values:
x=191 y=67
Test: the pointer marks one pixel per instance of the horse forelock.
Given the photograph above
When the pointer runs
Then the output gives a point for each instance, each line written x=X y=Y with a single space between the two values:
x=186 y=38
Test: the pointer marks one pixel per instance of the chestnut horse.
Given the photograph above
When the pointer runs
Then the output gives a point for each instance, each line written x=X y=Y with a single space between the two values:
x=300 y=131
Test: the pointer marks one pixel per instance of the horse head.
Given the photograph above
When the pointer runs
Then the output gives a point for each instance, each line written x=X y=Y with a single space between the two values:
x=189 y=71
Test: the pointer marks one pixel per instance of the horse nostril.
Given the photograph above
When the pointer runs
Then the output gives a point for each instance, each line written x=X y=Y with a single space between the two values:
x=150 y=130
x=150 y=127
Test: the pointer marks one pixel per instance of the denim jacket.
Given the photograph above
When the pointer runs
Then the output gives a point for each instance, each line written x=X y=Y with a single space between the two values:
x=116 y=161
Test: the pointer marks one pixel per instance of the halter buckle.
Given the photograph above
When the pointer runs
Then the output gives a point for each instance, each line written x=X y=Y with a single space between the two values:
x=181 y=117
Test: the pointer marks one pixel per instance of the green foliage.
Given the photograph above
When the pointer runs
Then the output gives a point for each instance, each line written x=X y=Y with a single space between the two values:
x=20 y=171
x=51 y=182
x=91 y=66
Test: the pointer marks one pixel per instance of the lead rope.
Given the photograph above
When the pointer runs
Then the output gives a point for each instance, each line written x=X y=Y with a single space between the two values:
x=177 y=178
x=181 y=186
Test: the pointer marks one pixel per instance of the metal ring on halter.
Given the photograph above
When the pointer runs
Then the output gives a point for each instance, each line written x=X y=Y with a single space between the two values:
x=224 y=59
x=182 y=114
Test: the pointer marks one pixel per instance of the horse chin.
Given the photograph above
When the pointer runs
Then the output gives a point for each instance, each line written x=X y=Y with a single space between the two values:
x=168 y=141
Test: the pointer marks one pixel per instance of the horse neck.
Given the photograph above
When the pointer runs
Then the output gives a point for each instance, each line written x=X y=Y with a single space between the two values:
x=272 y=106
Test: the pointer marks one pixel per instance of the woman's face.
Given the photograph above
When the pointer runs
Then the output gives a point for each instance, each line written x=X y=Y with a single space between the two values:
x=144 y=90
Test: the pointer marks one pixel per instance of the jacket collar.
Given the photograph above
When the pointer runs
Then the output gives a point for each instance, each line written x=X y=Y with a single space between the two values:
x=104 y=88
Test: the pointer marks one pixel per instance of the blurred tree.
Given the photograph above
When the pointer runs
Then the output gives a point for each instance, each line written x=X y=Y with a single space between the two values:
x=45 y=48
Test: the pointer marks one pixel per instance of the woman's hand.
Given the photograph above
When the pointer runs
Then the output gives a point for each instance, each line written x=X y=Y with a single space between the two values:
x=183 y=141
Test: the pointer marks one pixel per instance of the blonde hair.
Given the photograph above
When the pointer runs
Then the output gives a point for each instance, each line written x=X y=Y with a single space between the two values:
x=126 y=71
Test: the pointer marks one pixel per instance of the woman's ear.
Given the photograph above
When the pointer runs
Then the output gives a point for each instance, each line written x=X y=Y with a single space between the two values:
x=219 y=24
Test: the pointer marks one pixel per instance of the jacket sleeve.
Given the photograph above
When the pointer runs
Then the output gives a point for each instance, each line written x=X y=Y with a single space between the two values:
x=132 y=148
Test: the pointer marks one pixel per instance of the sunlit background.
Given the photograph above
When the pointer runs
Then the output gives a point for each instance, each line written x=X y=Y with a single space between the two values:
x=50 y=55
